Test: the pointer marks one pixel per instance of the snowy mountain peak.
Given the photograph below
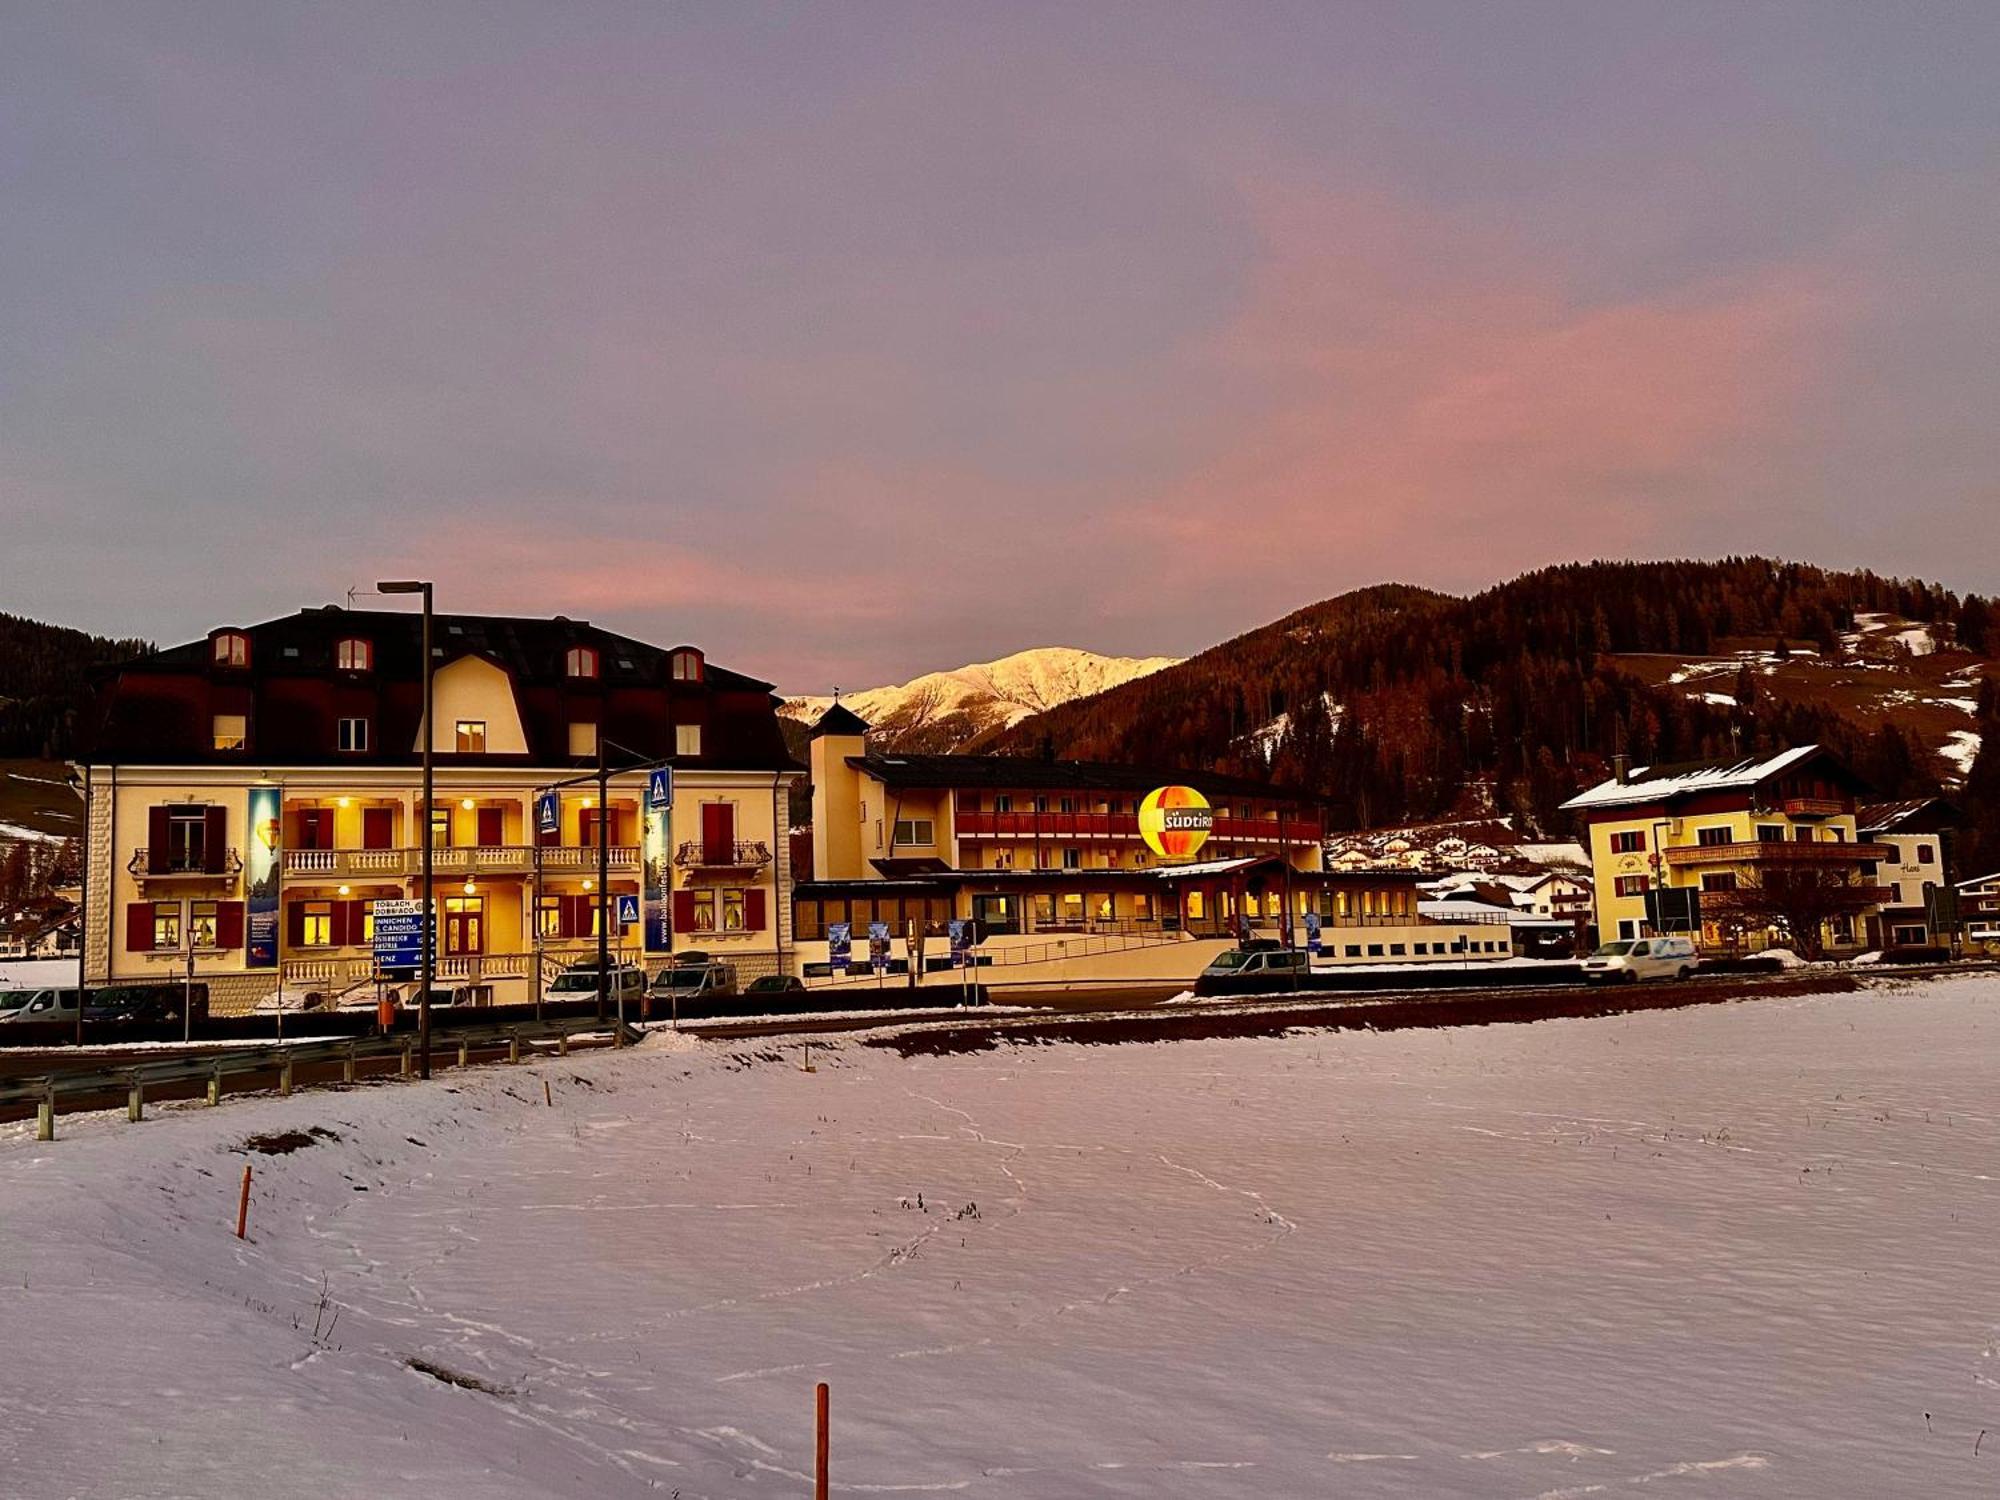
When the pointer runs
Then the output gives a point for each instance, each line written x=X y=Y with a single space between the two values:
x=946 y=710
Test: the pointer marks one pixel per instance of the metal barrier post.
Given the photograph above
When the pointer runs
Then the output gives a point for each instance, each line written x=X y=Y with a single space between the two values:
x=514 y=1045
x=215 y=1086
x=464 y=1052
x=45 y=1115
x=562 y=1043
x=285 y=1077
x=135 y=1101
x=350 y=1066
x=406 y=1059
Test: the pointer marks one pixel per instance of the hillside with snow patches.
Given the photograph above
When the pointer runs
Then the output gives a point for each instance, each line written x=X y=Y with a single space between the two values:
x=953 y=709
x=1885 y=669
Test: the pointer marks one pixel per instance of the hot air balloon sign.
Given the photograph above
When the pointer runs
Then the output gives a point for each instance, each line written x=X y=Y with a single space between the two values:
x=1175 y=821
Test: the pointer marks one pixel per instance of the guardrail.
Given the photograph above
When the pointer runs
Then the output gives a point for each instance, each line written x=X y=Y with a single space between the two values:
x=46 y=1091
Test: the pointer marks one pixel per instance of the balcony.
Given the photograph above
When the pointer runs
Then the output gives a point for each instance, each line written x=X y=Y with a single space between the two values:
x=1814 y=807
x=740 y=854
x=357 y=862
x=581 y=859
x=1031 y=826
x=455 y=859
x=1757 y=852
x=1850 y=899
x=177 y=864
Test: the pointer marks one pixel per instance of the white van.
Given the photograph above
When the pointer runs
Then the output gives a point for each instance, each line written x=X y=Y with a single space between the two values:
x=1632 y=959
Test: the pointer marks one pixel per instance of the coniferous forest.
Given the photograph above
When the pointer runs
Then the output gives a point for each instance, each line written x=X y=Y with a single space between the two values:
x=44 y=684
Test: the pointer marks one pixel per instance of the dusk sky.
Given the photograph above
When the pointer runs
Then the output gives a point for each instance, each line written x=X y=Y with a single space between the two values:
x=850 y=342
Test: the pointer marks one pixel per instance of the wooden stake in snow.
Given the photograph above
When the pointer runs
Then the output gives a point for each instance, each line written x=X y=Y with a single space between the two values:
x=547 y=1097
x=819 y=1443
x=243 y=1204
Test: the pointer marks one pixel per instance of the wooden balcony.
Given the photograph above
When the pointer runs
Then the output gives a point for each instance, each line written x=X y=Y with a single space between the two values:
x=1814 y=807
x=1790 y=852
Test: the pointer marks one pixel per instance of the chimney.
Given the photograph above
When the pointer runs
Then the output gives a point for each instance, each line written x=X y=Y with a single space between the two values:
x=1621 y=768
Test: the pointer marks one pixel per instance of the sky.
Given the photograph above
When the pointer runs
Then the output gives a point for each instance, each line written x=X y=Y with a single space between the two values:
x=850 y=342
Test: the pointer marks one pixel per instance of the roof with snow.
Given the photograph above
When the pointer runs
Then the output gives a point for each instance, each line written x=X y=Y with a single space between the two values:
x=1911 y=815
x=1690 y=778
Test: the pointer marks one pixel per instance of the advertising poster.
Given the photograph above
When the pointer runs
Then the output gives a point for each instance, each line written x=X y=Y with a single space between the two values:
x=1312 y=932
x=655 y=874
x=260 y=876
x=960 y=941
x=839 y=946
x=878 y=946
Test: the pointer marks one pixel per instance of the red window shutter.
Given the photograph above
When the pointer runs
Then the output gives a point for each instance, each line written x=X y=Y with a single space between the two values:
x=491 y=825
x=214 y=850
x=377 y=827
x=357 y=922
x=295 y=924
x=718 y=832
x=337 y=924
x=139 y=926
x=683 y=911
x=156 y=843
x=576 y=916
x=753 y=909
x=229 y=924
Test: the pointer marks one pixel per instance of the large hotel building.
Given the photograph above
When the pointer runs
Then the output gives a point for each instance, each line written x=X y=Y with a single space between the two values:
x=252 y=795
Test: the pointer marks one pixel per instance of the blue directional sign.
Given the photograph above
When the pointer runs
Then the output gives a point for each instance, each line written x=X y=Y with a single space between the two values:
x=660 y=789
x=628 y=910
x=548 y=813
x=399 y=934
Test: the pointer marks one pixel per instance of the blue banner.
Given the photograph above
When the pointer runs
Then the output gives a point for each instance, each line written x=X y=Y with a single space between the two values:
x=960 y=941
x=1312 y=932
x=655 y=876
x=878 y=946
x=263 y=859
x=839 y=946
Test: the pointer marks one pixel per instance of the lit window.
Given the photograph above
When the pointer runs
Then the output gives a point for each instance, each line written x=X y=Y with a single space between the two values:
x=354 y=655
x=732 y=911
x=548 y=917
x=231 y=730
x=687 y=739
x=704 y=911
x=316 y=925
x=353 y=734
x=440 y=827
x=582 y=739
x=232 y=649
x=201 y=925
x=166 y=924
x=471 y=737
x=686 y=666
x=581 y=662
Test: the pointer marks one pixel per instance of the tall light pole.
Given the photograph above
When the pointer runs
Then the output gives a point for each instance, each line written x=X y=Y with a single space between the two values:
x=429 y=968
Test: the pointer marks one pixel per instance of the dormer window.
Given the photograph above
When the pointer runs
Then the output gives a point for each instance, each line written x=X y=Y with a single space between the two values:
x=685 y=665
x=354 y=655
x=232 y=649
x=582 y=661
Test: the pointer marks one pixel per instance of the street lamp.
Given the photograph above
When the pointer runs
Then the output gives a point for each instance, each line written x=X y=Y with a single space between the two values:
x=428 y=971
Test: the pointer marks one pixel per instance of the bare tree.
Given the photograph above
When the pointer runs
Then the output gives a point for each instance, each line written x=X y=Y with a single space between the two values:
x=1800 y=902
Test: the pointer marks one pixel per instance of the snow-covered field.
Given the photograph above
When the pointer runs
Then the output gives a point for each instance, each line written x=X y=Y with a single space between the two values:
x=1740 y=1250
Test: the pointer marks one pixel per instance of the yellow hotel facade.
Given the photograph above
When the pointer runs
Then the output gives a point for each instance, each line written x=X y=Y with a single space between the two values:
x=252 y=795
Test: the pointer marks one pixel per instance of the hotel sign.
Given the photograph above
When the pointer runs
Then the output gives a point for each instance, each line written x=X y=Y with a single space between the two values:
x=1175 y=821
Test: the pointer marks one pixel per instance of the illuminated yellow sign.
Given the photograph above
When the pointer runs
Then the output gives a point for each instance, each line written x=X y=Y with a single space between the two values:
x=1175 y=821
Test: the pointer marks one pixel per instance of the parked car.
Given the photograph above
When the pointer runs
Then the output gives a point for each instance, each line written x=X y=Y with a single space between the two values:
x=288 y=998
x=36 y=1007
x=775 y=984
x=701 y=981
x=1632 y=959
x=579 y=982
x=1250 y=971
x=145 y=1004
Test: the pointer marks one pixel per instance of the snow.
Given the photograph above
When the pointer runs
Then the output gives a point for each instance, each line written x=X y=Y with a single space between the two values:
x=37 y=973
x=25 y=834
x=1720 y=774
x=1731 y=1250
x=1961 y=748
x=1006 y=691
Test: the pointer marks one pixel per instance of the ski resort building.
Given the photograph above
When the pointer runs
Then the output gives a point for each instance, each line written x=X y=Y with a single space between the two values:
x=252 y=796
x=1046 y=859
x=1726 y=849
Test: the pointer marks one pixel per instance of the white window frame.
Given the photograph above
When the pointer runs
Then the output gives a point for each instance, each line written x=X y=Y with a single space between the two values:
x=687 y=739
x=354 y=654
x=351 y=736
x=459 y=736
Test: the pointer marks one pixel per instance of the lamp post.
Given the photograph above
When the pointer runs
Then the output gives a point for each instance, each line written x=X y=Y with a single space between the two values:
x=429 y=967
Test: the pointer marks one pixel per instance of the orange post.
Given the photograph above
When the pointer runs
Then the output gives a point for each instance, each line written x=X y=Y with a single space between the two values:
x=243 y=1204
x=819 y=1444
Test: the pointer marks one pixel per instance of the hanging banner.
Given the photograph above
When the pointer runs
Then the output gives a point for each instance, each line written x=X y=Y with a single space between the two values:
x=961 y=941
x=839 y=946
x=260 y=876
x=1312 y=932
x=655 y=875
x=878 y=946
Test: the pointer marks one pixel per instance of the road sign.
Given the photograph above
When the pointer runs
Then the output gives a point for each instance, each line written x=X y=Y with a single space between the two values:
x=660 y=789
x=628 y=910
x=548 y=813
x=399 y=934
x=1674 y=908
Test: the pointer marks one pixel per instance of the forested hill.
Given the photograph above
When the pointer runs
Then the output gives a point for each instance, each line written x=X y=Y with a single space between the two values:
x=44 y=683
x=1397 y=703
